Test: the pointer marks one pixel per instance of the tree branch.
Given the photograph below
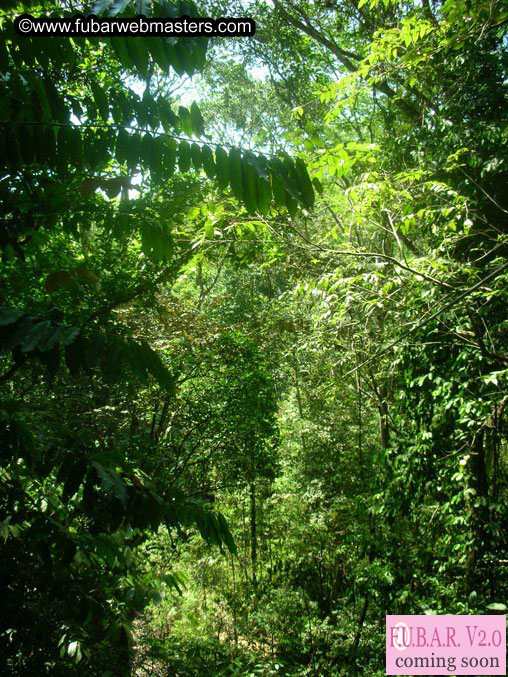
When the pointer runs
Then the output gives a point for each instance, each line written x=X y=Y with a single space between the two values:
x=346 y=58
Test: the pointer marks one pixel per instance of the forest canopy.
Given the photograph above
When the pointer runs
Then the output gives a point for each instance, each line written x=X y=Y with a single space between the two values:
x=253 y=334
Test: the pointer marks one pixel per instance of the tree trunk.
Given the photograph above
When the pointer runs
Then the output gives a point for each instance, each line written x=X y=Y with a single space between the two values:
x=383 y=418
x=253 y=533
x=479 y=515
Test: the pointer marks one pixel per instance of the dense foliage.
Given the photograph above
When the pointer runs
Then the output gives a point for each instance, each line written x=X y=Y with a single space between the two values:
x=253 y=335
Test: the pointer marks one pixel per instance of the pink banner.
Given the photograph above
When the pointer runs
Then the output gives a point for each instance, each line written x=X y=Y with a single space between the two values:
x=445 y=645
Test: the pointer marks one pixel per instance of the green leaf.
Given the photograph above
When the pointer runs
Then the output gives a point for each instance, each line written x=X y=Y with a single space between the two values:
x=144 y=7
x=158 y=53
x=260 y=165
x=49 y=147
x=174 y=58
x=100 y=6
x=196 y=156
x=148 y=240
x=317 y=185
x=169 y=157
x=136 y=49
x=67 y=335
x=9 y=315
x=148 y=111
x=32 y=337
x=198 y=123
x=119 y=6
x=235 y=173
x=49 y=340
x=496 y=606
x=292 y=205
x=157 y=157
x=168 y=118
x=74 y=479
x=122 y=146
x=200 y=46
x=208 y=163
x=72 y=648
x=292 y=180
x=249 y=180
x=156 y=242
x=101 y=100
x=184 y=157
x=59 y=111
x=185 y=57
x=76 y=148
x=185 y=120
x=119 y=46
x=89 y=500
x=146 y=150
x=174 y=581
x=222 y=161
x=304 y=183
x=133 y=151
x=142 y=357
x=225 y=533
x=278 y=189
x=112 y=481
x=11 y=339
x=60 y=335
x=264 y=195
x=63 y=147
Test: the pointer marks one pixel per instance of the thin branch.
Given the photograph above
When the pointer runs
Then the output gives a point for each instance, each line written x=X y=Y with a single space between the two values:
x=345 y=57
x=425 y=321
x=110 y=125
x=385 y=257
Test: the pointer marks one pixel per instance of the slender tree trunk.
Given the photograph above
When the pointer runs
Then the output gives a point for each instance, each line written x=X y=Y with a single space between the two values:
x=360 y=424
x=356 y=641
x=479 y=467
x=299 y=401
x=235 y=623
x=253 y=533
x=479 y=514
x=270 y=552
x=244 y=559
x=383 y=418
